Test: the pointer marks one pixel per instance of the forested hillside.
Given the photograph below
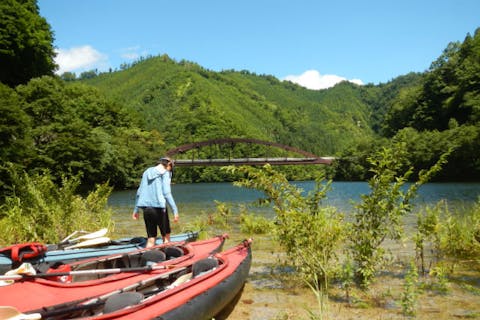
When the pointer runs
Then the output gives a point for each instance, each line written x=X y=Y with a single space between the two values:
x=441 y=112
x=186 y=103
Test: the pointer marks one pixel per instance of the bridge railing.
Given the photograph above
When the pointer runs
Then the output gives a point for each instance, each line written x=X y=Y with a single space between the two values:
x=253 y=161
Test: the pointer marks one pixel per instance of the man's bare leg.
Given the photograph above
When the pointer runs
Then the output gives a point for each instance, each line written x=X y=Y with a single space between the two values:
x=150 y=242
x=166 y=238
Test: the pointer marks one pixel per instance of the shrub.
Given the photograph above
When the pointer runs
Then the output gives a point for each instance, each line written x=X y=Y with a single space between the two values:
x=310 y=233
x=379 y=216
x=39 y=210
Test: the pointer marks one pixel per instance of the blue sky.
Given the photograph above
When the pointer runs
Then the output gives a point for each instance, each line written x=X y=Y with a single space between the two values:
x=315 y=43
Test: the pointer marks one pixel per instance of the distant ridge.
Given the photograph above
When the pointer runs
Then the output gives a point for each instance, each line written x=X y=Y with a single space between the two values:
x=189 y=103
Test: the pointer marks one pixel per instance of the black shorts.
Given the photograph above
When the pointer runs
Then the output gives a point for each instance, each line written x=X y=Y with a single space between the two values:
x=156 y=217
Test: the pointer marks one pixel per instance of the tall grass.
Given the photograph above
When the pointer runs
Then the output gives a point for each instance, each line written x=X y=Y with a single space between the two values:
x=40 y=210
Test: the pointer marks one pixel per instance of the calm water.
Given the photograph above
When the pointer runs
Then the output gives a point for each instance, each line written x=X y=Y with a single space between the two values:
x=194 y=198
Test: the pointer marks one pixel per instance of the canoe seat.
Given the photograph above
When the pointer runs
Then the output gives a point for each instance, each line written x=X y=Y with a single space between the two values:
x=202 y=266
x=152 y=257
x=173 y=252
x=122 y=300
x=123 y=262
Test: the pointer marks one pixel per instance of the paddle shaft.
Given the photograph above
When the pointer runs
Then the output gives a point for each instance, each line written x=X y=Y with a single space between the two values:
x=81 y=272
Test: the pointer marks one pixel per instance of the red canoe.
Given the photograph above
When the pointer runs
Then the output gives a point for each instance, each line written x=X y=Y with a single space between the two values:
x=39 y=292
x=196 y=290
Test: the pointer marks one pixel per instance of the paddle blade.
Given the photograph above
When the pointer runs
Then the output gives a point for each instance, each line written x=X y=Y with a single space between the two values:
x=11 y=313
x=88 y=236
x=90 y=243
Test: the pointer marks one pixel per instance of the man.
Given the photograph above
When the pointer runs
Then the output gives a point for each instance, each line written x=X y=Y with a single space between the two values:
x=153 y=194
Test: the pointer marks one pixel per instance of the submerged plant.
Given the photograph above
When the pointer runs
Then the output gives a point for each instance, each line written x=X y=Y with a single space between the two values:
x=428 y=234
x=410 y=292
x=211 y=223
x=252 y=224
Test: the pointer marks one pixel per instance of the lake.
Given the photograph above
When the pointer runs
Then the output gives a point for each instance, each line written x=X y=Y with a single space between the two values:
x=194 y=198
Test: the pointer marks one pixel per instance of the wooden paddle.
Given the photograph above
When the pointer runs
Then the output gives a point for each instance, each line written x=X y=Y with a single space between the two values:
x=89 y=243
x=84 y=272
x=96 y=234
x=89 y=235
x=69 y=236
x=12 y=313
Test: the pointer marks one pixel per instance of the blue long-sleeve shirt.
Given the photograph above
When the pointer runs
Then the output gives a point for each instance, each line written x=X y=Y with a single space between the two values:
x=154 y=190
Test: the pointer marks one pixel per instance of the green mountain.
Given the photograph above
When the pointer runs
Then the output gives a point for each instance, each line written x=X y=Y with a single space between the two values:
x=186 y=103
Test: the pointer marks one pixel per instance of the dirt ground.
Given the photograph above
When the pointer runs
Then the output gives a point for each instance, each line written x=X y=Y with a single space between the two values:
x=268 y=296
x=267 y=304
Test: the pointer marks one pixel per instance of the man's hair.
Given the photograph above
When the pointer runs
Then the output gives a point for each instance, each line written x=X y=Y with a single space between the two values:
x=165 y=161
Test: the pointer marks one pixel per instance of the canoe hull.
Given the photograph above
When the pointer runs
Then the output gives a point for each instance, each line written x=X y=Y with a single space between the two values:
x=211 y=302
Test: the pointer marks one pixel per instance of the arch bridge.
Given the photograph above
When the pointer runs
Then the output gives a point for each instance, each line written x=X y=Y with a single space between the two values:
x=307 y=157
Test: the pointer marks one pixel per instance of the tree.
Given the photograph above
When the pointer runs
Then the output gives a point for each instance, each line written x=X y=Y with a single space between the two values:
x=88 y=74
x=14 y=125
x=69 y=76
x=450 y=90
x=26 y=43
x=15 y=141
x=77 y=131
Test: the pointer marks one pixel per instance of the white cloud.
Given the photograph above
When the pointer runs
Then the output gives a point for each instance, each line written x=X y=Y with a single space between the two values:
x=312 y=79
x=80 y=59
x=130 y=53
